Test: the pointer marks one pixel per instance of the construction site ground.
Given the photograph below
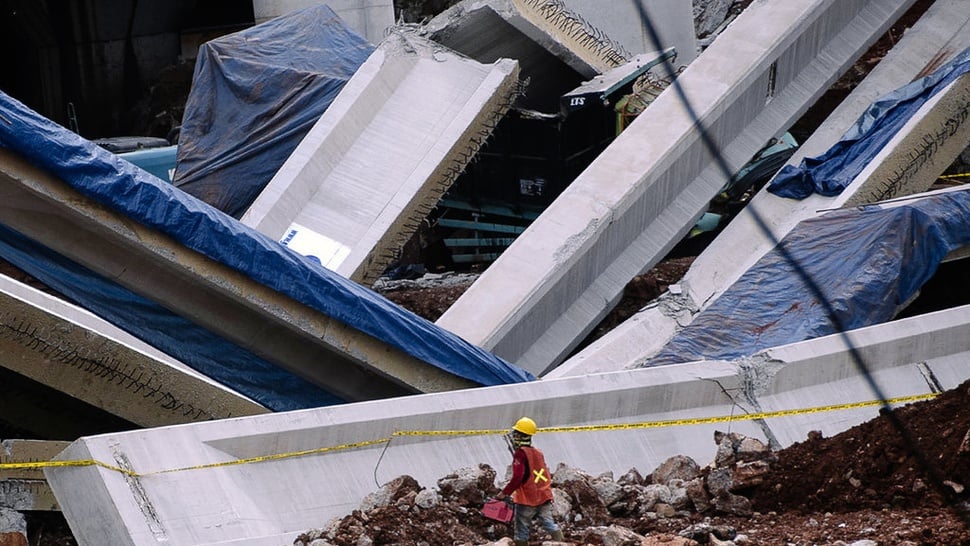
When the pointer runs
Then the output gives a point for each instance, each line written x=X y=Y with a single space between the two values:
x=899 y=479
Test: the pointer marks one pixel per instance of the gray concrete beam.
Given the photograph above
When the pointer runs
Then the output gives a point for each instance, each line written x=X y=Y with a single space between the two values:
x=379 y=159
x=287 y=333
x=922 y=149
x=264 y=479
x=644 y=192
x=673 y=21
x=26 y=489
x=907 y=165
x=77 y=353
x=556 y=48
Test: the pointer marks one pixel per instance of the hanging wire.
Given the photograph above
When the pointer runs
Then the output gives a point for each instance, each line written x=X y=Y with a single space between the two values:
x=929 y=469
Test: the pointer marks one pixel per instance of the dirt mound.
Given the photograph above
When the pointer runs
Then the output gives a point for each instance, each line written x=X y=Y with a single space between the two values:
x=916 y=456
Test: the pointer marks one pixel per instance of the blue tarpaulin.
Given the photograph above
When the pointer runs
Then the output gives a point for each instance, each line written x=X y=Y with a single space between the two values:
x=830 y=173
x=865 y=262
x=205 y=351
x=255 y=95
x=144 y=198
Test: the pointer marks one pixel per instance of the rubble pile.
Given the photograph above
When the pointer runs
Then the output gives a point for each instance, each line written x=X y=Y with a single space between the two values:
x=599 y=509
x=900 y=479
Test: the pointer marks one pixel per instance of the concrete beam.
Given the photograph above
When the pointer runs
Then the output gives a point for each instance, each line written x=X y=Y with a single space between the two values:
x=673 y=21
x=289 y=334
x=907 y=165
x=379 y=159
x=644 y=192
x=78 y=354
x=241 y=496
x=369 y=18
x=922 y=149
x=26 y=489
x=556 y=48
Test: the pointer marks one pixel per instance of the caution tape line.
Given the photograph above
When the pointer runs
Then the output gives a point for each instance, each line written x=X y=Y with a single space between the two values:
x=584 y=428
x=742 y=416
x=947 y=176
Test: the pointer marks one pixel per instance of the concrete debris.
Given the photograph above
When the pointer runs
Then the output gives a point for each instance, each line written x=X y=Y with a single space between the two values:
x=13 y=528
x=591 y=509
x=428 y=280
x=709 y=15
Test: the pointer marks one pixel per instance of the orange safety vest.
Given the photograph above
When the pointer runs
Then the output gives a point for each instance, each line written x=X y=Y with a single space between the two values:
x=536 y=489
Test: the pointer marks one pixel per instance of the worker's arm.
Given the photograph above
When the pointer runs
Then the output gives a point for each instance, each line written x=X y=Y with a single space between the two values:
x=520 y=467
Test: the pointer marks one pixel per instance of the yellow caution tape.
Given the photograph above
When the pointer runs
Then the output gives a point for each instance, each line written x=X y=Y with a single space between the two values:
x=449 y=432
x=584 y=428
x=276 y=457
x=961 y=175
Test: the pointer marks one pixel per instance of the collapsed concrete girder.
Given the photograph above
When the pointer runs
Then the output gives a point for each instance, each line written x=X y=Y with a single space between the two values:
x=63 y=347
x=640 y=196
x=382 y=155
x=345 y=361
x=556 y=48
x=26 y=489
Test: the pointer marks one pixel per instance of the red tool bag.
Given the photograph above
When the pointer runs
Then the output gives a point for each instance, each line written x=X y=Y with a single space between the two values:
x=497 y=510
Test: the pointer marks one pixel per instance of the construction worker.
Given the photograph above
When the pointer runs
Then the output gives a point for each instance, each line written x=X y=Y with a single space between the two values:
x=531 y=484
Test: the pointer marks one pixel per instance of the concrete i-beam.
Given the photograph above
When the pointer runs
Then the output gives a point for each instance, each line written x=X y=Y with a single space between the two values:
x=72 y=351
x=343 y=360
x=623 y=22
x=907 y=165
x=379 y=159
x=262 y=480
x=556 y=48
x=26 y=489
x=644 y=192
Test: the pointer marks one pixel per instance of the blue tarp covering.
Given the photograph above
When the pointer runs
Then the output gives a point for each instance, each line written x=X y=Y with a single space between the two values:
x=831 y=172
x=142 y=197
x=865 y=262
x=255 y=95
x=204 y=351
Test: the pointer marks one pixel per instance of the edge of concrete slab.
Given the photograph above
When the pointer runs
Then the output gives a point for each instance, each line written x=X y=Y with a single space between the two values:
x=81 y=355
x=353 y=197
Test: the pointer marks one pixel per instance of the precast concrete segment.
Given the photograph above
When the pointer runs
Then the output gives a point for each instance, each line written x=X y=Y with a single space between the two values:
x=370 y=18
x=644 y=192
x=564 y=33
x=622 y=21
x=346 y=362
x=252 y=492
x=555 y=47
x=26 y=489
x=904 y=358
x=74 y=352
x=921 y=150
x=379 y=159
x=942 y=32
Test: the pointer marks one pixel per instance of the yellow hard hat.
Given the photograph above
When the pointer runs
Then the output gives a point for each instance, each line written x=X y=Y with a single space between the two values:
x=525 y=426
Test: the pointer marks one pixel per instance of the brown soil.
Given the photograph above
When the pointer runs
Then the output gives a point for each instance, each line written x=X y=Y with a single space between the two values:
x=431 y=303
